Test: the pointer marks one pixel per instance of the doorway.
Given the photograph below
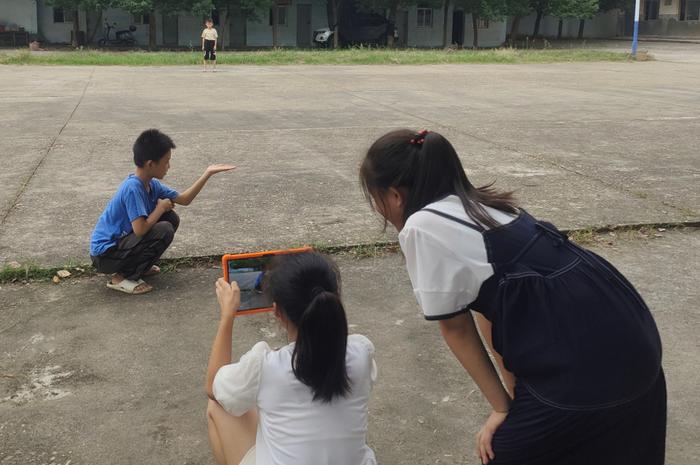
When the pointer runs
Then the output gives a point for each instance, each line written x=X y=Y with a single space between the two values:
x=170 y=30
x=238 y=29
x=303 y=25
x=458 y=27
x=402 y=28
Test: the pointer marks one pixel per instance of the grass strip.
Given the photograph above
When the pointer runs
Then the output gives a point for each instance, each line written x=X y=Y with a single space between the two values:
x=276 y=57
x=600 y=236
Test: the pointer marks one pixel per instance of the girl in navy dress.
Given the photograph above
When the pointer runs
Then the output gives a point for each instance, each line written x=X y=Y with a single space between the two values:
x=578 y=349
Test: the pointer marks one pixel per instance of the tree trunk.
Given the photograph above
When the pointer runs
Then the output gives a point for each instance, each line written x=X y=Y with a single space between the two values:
x=446 y=9
x=225 y=31
x=336 y=28
x=76 y=28
x=91 y=36
x=514 y=30
x=152 y=44
x=475 y=24
x=275 y=25
x=537 y=24
x=561 y=25
x=581 y=25
x=392 y=20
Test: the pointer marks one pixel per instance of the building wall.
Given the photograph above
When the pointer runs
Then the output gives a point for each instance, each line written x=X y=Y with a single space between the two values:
x=493 y=36
x=670 y=27
x=427 y=36
x=671 y=9
x=189 y=30
x=15 y=14
x=125 y=19
x=58 y=33
x=602 y=26
x=260 y=32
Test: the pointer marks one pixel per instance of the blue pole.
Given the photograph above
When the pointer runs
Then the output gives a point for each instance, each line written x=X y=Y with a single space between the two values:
x=635 y=35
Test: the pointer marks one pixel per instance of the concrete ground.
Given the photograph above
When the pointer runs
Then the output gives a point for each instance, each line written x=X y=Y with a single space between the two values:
x=614 y=142
x=94 y=377
x=89 y=376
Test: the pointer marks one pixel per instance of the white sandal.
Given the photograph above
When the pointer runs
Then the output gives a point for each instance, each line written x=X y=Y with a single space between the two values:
x=128 y=287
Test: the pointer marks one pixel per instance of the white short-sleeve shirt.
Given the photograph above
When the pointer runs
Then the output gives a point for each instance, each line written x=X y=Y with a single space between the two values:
x=294 y=429
x=446 y=261
x=210 y=34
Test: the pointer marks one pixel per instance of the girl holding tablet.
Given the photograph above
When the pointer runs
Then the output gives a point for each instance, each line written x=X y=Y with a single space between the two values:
x=578 y=349
x=306 y=403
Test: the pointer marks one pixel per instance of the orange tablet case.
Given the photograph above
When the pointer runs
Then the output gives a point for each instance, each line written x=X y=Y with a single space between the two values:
x=241 y=256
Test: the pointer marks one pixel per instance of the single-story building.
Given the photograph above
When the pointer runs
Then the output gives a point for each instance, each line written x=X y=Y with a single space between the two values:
x=416 y=26
x=670 y=18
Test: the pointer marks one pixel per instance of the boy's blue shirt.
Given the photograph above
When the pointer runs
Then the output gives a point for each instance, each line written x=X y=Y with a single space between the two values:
x=130 y=202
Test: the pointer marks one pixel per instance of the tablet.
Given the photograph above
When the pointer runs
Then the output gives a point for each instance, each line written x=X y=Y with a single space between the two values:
x=248 y=270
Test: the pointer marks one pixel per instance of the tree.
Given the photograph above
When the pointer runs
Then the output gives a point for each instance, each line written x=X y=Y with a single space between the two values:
x=445 y=12
x=574 y=9
x=389 y=8
x=516 y=9
x=250 y=9
x=542 y=8
x=149 y=7
x=491 y=10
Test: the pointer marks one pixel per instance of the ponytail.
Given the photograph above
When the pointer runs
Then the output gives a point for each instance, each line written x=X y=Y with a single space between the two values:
x=306 y=289
x=319 y=354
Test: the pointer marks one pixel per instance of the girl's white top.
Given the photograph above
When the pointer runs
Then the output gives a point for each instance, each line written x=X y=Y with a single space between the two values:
x=446 y=261
x=293 y=428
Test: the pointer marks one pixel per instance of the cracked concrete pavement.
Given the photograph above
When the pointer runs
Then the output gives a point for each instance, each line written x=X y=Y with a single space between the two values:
x=614 y=143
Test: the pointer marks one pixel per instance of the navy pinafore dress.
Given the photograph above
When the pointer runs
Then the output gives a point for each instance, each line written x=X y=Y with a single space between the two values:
x=582 y=345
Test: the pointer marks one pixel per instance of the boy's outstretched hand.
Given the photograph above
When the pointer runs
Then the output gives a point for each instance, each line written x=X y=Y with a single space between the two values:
x=188 y=196
x=218 y=168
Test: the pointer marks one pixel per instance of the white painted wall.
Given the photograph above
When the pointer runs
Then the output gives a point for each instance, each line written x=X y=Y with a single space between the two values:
x=125 y=19
x=671 y=10
x=428 y=36
x=19 y=13
x=58 y=33
x=260 y=33
x=602 y=26
x=493 y=36
x=189 y=30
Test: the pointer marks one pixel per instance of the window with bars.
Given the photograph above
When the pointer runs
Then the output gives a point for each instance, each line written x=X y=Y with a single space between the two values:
x=59 y=15
x=425 y=17
x=281 y=16
x=142 y=19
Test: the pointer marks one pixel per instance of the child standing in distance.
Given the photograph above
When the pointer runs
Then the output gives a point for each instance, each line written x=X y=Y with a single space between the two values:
x=139 y=223
x=209 y=40
x=306 y=403
x=577 y=346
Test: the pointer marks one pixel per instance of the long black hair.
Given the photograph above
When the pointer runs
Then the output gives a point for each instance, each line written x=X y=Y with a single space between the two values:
x=306 y=289
x=426 y=164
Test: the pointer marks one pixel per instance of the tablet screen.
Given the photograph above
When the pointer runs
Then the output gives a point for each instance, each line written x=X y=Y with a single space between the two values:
x=249 y=273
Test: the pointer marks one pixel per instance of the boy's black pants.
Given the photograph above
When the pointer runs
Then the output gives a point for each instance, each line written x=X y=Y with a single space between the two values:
x=133 y=256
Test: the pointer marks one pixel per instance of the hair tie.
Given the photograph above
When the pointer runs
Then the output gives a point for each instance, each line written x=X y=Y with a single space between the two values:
x=419 y=138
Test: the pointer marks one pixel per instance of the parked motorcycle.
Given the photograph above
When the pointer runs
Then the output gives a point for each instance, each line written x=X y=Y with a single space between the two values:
x=323 y=37
x=124 y=37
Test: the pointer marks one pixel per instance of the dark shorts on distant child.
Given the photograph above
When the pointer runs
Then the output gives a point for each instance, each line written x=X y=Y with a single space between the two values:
x=209 y=52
